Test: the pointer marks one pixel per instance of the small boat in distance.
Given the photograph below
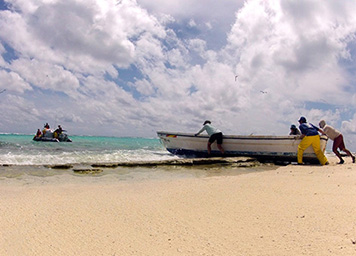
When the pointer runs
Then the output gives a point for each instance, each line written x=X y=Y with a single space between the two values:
x=261 y=147
x=60 y=138
x=48 y=135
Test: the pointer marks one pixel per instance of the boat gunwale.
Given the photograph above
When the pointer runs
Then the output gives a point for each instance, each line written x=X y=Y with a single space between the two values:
x=233 y=137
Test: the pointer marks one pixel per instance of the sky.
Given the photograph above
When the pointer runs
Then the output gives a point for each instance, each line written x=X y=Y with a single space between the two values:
x=134 y=67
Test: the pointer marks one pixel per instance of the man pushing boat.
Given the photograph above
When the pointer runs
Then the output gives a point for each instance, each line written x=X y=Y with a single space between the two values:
x=214 y=134
x=310 y=136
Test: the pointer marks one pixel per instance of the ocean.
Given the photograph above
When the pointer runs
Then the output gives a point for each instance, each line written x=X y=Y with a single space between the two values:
x=22 y=150
x=22 y=157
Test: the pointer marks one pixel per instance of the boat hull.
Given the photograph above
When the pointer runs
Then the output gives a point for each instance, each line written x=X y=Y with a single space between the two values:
x=45 y=139
x=275 y=148
x=61 y=138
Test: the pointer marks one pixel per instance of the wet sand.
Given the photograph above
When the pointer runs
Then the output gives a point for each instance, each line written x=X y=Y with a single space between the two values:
x=290 y=210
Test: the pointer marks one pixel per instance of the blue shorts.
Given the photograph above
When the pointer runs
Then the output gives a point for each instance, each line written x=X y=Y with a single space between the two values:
x=216 y=136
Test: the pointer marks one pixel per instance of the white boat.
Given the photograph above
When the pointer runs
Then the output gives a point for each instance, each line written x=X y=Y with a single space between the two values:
x=270 y=148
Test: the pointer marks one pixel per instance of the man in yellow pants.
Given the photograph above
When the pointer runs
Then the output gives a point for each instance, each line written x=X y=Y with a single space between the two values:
x=310 y=136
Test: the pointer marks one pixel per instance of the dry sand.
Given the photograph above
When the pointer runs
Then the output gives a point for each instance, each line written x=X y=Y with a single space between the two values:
x=293 y=210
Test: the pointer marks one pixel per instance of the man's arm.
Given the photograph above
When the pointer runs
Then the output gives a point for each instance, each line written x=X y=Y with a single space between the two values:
x=201 y=130
x=319 y=130
x=322 y=132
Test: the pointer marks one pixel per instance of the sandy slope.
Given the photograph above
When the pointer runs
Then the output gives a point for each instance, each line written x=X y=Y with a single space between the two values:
x=294 y=210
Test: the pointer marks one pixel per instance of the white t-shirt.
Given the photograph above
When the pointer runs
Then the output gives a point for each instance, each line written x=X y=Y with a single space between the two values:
x=331 y=132
x=209 y=129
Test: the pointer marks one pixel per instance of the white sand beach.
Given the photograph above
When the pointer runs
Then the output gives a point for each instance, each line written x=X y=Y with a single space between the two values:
x=293 y=210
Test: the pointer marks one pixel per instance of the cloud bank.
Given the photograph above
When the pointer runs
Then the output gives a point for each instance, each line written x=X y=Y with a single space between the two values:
x=130 y=68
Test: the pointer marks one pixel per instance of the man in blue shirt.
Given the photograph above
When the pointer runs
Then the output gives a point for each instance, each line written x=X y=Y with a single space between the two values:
x=310 y=136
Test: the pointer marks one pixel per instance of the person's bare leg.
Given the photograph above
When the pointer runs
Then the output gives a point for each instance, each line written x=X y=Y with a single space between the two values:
x=339 y=156
x=209 y=148
x=221 y=149
x=349 y=154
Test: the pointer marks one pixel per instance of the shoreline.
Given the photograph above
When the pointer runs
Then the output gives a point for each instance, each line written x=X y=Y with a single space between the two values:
x=166 y=169
x=290 y=210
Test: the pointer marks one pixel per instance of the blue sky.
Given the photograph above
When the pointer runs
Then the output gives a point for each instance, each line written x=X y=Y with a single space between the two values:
x=130 y=68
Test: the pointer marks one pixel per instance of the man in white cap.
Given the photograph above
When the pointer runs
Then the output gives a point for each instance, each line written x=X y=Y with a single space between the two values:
x=214 y=133
x=338 y=139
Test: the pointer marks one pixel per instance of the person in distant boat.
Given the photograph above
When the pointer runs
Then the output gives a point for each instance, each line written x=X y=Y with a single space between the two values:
x=38 y=134
x=47 y=132
x=338 y=139
x=46 y=128
x=58 y=132
x=294 y=130
x=214 y=134
x=310 y=136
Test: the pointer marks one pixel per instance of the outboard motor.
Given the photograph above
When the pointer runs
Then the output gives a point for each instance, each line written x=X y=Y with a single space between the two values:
x=323 y=142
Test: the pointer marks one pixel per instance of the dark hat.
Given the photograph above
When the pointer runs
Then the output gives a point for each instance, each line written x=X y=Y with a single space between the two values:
x=293 y=126
x=207 y=122
x=302 y=119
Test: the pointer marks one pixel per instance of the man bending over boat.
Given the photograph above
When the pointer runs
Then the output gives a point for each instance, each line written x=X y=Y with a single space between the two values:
x=338 y=139
x=214 y=134
x=310 y=136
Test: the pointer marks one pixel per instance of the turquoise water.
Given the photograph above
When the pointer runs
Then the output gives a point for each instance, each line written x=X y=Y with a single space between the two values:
x=22 y=150
x=28 y=161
